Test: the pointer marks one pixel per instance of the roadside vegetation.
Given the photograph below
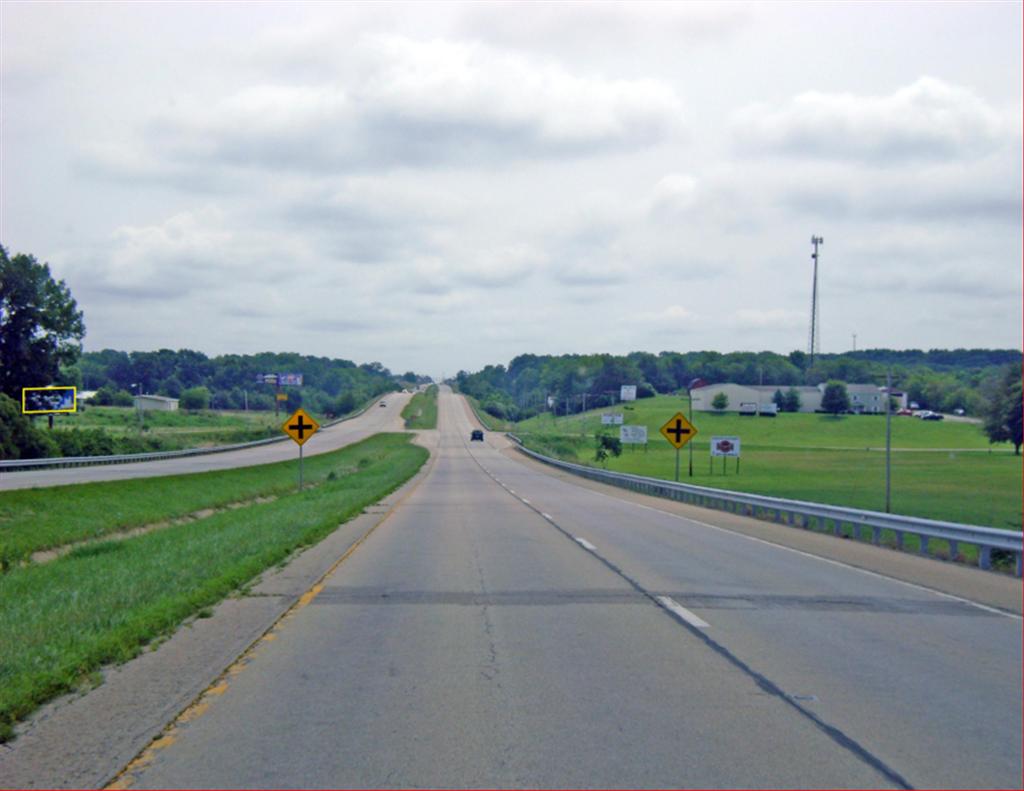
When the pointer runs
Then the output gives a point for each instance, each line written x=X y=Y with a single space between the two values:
x=421 y=411
x=940 y=470
x=104 y=601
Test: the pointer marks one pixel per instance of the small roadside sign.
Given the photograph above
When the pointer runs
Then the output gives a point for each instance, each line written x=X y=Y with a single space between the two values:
x=300 y=427
x=725 y=446
x=633 y=435
x=678 y=430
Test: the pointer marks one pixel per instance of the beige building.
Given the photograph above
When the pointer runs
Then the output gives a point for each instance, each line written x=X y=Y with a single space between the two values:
x=155 y=402
x=866 y=398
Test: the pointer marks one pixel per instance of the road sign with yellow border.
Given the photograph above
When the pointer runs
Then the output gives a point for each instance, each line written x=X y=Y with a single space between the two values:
x=300 y=426
x=48 y=400
x=678 y=430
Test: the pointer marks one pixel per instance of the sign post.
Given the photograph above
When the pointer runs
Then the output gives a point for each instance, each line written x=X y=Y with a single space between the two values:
x=300 y=427
x=678 y=431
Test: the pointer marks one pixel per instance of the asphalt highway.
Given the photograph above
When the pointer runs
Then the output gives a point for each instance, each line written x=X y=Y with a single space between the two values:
x=504 y=627
x=374 y=420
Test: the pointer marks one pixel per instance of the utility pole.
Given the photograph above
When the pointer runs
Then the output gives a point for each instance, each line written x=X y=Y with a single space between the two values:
x=888 y=441
x=855 y=341
x=815 y=341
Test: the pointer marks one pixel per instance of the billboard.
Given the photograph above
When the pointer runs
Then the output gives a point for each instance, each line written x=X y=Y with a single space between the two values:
x=611 y=419
x=725 y=446
x=628 y=393
x=48 y=400
x=279 y=379
x=633 y=435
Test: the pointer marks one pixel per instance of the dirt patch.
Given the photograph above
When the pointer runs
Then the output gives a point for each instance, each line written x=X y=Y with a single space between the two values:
x=47 y=555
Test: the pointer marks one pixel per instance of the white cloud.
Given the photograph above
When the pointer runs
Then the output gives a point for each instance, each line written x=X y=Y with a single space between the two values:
x=401 y=101
x=929 y=119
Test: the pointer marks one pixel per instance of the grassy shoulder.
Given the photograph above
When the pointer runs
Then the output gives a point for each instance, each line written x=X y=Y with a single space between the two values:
x=104 y=430
x=489 y=421
x=421 y=411
x=941 y=470
x=45 y=518
x=101 y=603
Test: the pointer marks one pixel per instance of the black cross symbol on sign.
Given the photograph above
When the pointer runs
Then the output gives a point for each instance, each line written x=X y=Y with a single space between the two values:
x=301 y=427
x=678 y=431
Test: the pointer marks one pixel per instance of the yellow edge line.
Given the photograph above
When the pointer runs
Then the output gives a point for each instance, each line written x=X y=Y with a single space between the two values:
x=199 y=706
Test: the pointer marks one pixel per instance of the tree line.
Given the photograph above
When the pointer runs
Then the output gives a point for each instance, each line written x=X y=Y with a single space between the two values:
x=939 y=379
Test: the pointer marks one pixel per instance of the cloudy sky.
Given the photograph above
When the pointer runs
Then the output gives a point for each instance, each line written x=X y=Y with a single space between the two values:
x=444 y=186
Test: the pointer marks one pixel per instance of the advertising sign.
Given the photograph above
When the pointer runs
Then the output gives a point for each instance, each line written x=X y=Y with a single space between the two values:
x=633 y=435
x=628 y=393
x=611 y=419
x=289 y=379
x=48 y=400
x=725 y=446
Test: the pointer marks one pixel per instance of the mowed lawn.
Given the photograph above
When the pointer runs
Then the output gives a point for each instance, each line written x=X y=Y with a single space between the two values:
x=940 y=470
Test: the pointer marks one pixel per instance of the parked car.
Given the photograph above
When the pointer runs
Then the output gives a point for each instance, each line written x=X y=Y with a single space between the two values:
x=383 y=403
x=476 y=435
x=931 y=416
x=906 y=412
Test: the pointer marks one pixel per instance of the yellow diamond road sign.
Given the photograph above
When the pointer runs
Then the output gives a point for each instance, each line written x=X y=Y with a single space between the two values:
x=300 y=426
x=678 y=430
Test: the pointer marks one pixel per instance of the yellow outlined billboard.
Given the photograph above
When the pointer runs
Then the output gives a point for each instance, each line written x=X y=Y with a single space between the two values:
x=48 y=400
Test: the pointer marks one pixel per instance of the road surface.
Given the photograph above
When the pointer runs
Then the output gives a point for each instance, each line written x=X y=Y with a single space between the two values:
x=507 y=628
x=374 y=420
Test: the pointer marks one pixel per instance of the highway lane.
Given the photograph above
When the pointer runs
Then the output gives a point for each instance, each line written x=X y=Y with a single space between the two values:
x=500 y=629
x=928 y=683
x=374 y=420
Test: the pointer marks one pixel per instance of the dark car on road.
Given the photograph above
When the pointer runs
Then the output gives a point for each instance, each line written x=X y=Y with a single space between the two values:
x=476 y=435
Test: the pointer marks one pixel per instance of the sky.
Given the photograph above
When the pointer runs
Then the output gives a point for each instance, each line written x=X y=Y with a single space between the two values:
x=443 y=186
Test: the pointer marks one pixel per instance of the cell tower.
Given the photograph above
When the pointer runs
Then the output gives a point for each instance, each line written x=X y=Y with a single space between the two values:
x=814 y=345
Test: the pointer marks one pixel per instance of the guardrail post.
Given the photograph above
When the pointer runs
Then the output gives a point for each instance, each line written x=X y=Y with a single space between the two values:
x=899 y=540
x=985 y=558
x=876 y=535
x=954 y=549
x=1019 y=564
x=923 y=549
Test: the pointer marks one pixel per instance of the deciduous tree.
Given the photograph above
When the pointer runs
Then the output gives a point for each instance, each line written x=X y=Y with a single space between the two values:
x=40 y=325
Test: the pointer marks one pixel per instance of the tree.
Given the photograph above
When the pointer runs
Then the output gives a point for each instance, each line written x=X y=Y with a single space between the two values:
x=1004 y=413
x=40 y=325
x=792 y=400
x=835 y=399
x=607 y=444
x=195 y=398
x=720 y=402
x=779 y=400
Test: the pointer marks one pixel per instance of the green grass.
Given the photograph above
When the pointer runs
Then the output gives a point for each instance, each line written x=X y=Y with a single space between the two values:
x=490 y=422
x=940 y=470
x=101 y=603
x=421 y=411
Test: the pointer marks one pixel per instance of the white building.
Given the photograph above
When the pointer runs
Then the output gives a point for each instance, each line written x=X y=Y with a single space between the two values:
x=155 y=402
x=866 y=398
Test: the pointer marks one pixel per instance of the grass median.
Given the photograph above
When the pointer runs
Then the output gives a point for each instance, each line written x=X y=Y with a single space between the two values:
x=421 y=411
x=102 y=602
x=37 y=519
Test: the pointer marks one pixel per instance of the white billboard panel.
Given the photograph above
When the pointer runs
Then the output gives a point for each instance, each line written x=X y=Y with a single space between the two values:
x=633 y=435
x=725 y=446
x=611 y=419
x=628 y=393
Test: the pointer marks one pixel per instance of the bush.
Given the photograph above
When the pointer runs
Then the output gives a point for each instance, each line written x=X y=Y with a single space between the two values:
x=19 y=439
x=195 y=398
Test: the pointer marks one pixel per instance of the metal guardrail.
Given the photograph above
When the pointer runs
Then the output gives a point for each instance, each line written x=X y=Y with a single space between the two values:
x=16 y=465
x=797 y=513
